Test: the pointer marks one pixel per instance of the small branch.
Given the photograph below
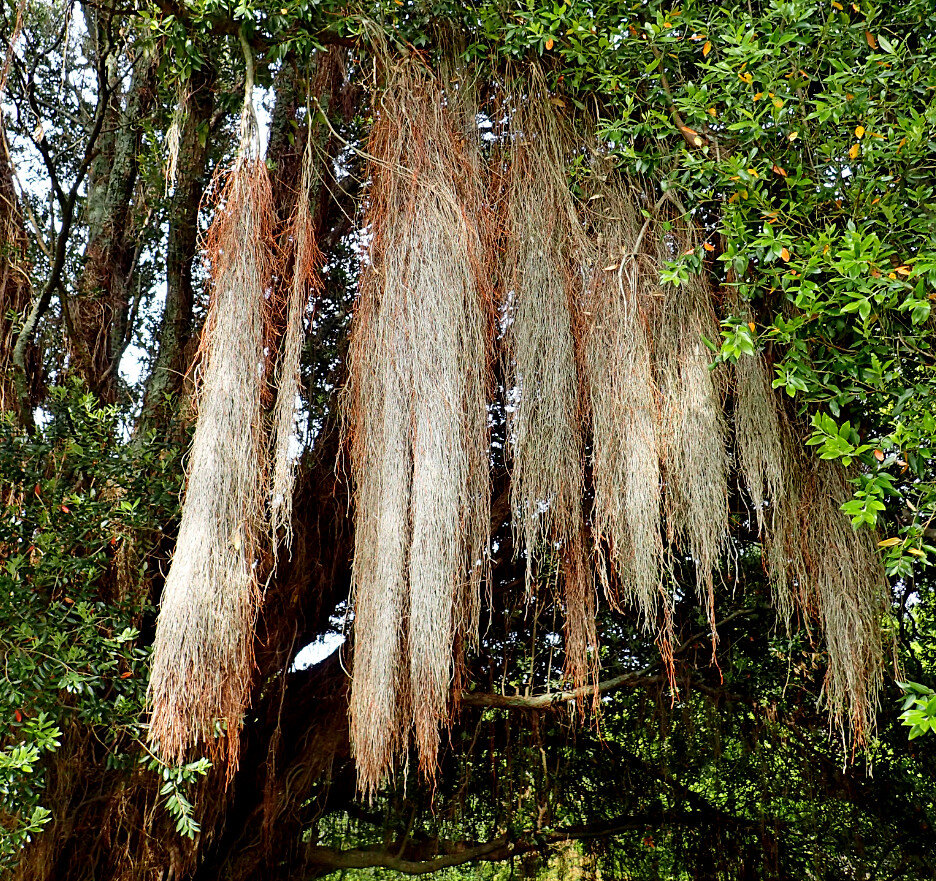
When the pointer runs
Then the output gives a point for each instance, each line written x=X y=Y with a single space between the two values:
x=67 y=204
x=690 y=136
x=24 y=197
x=624 y=680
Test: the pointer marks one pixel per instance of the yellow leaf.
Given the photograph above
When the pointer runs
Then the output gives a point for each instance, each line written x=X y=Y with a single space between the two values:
x=753 y=172
x=733 y=198
x=916 y=552
x=879 y=455
x=784 y=255
x=853 y=151
x=712 y=111
x=746 y=77
x=708 y=246
x=792 y=136
x=892 y=276
x=903 y=270
x=612 y=268
x=752 y=326
x=859 y=132
x=838 y=6
x=706 y=49
x=872 y=42
x=777 y=103
x=549 y=44
x=889 y=542
x=758 y=96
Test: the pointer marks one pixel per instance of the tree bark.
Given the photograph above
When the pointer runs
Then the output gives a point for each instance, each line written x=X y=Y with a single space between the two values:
x=98 y=314
x=167 y=379
x=15 y=286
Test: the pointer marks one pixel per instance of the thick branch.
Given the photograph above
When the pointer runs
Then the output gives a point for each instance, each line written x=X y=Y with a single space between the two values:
x=498 y=849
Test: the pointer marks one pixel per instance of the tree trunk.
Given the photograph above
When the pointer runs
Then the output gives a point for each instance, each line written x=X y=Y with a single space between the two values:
x=168 y=376
x=15 y=287
x=98 y=315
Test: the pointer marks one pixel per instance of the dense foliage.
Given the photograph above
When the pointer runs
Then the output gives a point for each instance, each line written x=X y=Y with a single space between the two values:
x=797 y=136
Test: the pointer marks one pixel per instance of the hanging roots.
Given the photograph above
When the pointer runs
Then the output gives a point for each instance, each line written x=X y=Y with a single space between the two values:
x=623 y=402
x=174 y=134
x=847 y=588
x=544 y=416
x=694 y=431
x=764 y=453
x=417 y=416
x=305 y=283
x=203 y=655
x=817 y=561
x=581 y=635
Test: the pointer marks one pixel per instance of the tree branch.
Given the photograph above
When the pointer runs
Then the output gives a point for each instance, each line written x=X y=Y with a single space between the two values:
x=498 y=849
x=690 y=136
x=67 y=205
x=624 y=680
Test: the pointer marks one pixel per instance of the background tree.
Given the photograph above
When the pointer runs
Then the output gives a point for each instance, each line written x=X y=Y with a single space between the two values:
x=617 y=188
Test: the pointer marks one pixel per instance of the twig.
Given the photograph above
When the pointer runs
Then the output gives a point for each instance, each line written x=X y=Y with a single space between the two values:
x=691 y=136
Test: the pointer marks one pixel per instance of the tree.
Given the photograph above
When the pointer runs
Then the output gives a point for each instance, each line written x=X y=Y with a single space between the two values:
x=570 y=365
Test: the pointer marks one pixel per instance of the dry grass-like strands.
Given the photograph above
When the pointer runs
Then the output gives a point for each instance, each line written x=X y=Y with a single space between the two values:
x=764 y=445
x=581 y=634
x=696 y=463
x=174 y=134
x=544 y=425
x=417 y=415
x=817 y=561
x=623 y=403
x=847 y=587
x=203 y=654
x=305 y=284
